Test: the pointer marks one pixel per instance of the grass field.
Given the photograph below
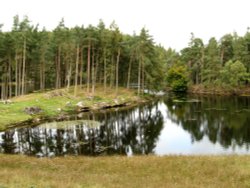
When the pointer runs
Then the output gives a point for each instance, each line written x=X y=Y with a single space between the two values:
x=117 y=171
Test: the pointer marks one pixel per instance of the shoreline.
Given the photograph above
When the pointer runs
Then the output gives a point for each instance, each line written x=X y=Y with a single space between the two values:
x=63 y=104
x=220 y=91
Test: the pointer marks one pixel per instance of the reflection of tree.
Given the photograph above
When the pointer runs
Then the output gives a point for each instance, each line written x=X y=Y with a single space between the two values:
x=120 y=132
x=8 y=144
x=222 y=119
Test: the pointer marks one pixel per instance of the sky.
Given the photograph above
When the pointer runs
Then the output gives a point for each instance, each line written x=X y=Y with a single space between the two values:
x=170 y=22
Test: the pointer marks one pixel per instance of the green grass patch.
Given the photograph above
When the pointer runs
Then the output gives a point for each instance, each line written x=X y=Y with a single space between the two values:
x=59 y=101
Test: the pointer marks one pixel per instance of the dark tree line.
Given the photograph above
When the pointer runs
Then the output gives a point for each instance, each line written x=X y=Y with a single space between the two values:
x=34 y=59
x=84 y=57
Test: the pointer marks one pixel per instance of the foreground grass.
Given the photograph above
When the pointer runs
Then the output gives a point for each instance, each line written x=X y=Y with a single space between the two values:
x=56 y=102
x=146 y=171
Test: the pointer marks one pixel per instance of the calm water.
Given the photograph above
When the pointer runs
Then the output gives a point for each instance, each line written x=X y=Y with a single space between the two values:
x=187 y=125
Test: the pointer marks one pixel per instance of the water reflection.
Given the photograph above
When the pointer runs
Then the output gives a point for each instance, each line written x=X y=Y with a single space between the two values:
x=125 y=132
x=193 y=125
x=224 y=120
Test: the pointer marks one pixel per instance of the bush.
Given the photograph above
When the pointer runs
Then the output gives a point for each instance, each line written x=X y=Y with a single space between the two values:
x=234 y=74
x=177 y=78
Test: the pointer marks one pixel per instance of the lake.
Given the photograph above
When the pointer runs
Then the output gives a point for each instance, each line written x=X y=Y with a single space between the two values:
x=172 y=125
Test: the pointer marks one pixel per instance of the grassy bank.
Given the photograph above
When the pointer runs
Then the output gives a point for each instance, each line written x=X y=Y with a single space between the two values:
x=56 y=102
x=147 y=171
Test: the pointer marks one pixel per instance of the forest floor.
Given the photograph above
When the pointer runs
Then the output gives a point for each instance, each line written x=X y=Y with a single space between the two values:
x=57 y=103
x=122 y=171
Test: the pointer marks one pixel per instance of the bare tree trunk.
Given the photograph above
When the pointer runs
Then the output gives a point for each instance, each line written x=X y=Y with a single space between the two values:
x=24 y=64
x=16 y=74
x=59 y=68
x=3 y=85
x=111 y=72
x=93 y=71
x=20 y=77
x=129 y=71
x=105 y=67
x=42 y=73
x=69 y=76
x=117 y=71
x=88 y=67
x=202 y=63
x=81 y=66
x=76 y=74
x=143 y=72
x=41 y=76
x=96 y=69
x=10 y=78
x=139 y=77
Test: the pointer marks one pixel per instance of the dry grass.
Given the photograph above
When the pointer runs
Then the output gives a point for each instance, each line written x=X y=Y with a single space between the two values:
x=147 y=171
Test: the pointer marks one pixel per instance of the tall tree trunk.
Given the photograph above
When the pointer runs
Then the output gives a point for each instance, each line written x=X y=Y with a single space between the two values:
x=142 y=74
x=105 y=70
x=139 y=77
x=3 y=85
x=96 y=69
x=42 y=72
x=69 y=77
x=112 y=71
x=117 y=71
x=10 y=77
x=81 y=66
x=93 y=70
x=20 y=76
x=129 y=71
x=24 y=66
x=58 y=69
x=202 y=63
x=88 y=67
x=16 y=74
x=76 y=74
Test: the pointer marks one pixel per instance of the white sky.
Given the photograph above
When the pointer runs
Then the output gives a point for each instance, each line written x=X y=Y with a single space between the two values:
x=170 y=22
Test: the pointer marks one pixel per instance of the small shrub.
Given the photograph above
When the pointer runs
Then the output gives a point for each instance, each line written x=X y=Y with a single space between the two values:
x=177 y=78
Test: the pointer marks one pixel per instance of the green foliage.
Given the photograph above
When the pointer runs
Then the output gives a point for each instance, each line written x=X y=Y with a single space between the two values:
x=177 y=78
x=234 y=74
x=193 y=56
x=211 y=64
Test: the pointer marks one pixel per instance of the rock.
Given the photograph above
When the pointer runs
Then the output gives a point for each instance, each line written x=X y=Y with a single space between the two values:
x=61 y=117
x=33 y=110
x=36 y=120
x=80 y=104
x=116 y=101
x=90 y=97
x=80 y=115
x=8 y=101
x=68 y=103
